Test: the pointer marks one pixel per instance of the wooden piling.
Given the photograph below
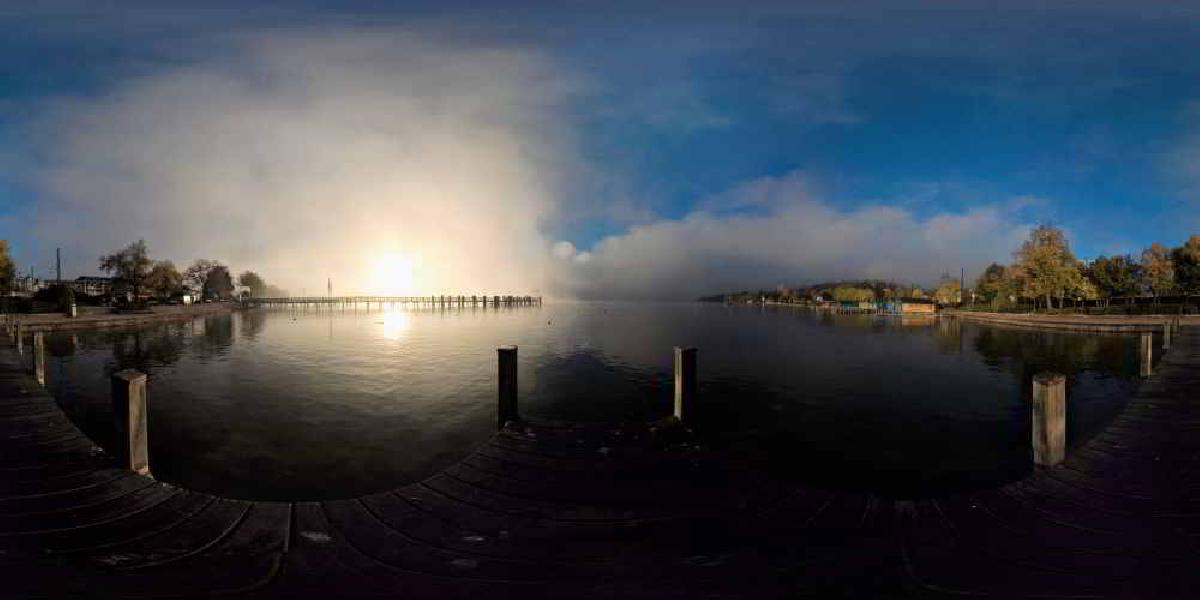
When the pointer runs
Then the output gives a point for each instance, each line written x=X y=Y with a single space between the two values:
x=1166 y=345
x=39 y=357
x=129 y=411
x=1146 y=354
x=1049 y=419
x=20 y=339
x=507 y=395
x=685 y=383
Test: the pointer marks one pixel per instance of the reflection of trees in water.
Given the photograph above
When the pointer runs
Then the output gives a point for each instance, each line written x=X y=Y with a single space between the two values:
x=217 y=335
x=252 y=322
x=1028 y=352
x=148 y=348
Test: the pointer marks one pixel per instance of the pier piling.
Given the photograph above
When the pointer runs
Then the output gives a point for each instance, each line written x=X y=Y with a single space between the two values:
x=129 y=411
x=1166 y=345
x=685 y=383
x=1049 y=419
x=39 y=357
x=507 y=395
x=1146 y=354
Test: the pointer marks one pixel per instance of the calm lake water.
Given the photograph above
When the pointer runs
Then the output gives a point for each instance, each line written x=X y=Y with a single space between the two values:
x=281 y=404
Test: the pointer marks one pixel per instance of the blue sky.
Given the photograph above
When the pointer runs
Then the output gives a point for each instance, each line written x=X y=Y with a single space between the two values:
x=1083 y=115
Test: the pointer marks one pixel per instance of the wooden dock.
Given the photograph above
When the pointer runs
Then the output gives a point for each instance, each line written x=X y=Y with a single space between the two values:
x=343 y=302
x=560 y=511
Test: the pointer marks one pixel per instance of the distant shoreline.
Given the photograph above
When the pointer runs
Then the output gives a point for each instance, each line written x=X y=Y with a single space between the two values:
x=61 y=322
x=1061 y=322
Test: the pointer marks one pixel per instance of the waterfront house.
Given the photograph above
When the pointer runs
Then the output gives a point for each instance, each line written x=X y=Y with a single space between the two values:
x=92 y=286
x=917 y=306
x=909 y=306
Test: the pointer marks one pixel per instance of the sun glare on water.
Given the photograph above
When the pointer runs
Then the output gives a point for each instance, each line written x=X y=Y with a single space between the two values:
x=395 y=324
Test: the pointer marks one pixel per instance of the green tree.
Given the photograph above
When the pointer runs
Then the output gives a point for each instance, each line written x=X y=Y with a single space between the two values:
x=7 y=269
x=252 y=280
x=131 y=263
x=1158 y=270
x=164 y=279
x=1187 y=265
x=1045 y=266
x=996 y=285
x=218 y=283
x=1114 y=276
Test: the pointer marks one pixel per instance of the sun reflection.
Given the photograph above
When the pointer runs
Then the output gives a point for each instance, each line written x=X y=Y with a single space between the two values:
x=395 y=324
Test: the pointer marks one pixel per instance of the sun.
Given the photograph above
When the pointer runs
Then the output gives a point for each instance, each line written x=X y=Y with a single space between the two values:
x=391 y=274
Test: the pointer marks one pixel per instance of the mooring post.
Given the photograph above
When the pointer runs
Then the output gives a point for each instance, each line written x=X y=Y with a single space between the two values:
x=685 y=383
x=1166 y=345
x=39 y=357
x=1049 y=419
x=20 y=339
x=507 y=406
x=1147 y=354
x=129 y=410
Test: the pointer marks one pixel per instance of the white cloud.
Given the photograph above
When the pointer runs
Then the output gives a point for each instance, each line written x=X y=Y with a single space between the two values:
x=797 y=239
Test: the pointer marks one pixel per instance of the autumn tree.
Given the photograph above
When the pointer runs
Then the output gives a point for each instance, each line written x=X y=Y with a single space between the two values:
x=1114 y=276
x=7 y=268
x=948 y=291
x=1158 y=270
x=852 y=294
x=1045 y=266
x=1186 y=259
x=253 y=281
x=131 y=263
x=164 y=279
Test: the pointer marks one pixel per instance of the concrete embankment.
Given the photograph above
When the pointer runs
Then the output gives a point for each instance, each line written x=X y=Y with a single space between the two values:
x=1077 y=322
x=96 y=319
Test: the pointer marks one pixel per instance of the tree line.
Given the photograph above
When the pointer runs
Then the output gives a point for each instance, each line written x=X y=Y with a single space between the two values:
x=211 y=279
x=1044 y=270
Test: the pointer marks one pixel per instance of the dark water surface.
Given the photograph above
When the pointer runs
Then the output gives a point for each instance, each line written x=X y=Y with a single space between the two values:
x=279 y=404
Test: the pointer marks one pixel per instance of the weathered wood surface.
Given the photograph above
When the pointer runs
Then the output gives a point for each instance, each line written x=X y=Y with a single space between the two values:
x=554 y=511
x=441 y=300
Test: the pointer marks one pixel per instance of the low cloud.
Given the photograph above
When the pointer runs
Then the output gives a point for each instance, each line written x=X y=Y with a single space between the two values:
x=790 y=237
x=307 y=155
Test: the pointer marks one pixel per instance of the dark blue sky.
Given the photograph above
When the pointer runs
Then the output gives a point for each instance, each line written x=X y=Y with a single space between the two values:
x=1084 y=115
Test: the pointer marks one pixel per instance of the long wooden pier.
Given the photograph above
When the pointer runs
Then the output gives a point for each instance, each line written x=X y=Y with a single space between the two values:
x=459 y=300
x=562 y=511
